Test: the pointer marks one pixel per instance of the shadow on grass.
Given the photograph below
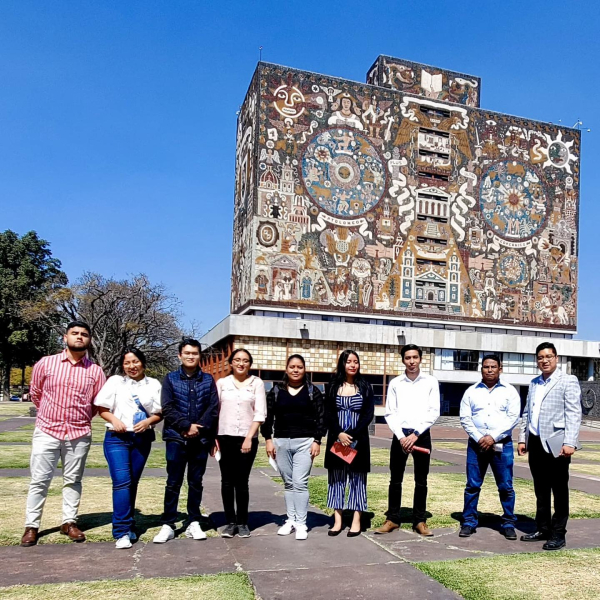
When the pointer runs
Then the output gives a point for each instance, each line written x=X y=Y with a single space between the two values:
x=494 y=521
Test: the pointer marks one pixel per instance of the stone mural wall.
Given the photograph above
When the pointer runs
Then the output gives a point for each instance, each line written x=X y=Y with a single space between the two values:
x=366 y=199
x=425 y=80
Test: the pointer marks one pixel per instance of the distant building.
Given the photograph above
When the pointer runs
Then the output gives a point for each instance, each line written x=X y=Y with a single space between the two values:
x=398 y=211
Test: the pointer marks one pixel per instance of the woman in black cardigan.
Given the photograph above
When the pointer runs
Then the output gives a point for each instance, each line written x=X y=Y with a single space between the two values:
x=349 y=409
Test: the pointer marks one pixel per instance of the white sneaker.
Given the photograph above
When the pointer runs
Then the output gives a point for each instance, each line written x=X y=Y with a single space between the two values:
x=286 y=528
x=123 y=542
x=301 y=532
x=132 y=536
x=165 y=534
x=195 y=531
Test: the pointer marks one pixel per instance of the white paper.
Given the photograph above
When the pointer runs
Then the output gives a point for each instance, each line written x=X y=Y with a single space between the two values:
x=273 y=463
x=218 y=455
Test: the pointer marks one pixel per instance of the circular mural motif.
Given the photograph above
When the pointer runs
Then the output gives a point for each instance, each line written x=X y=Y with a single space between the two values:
x=512 y=200
x=267 y=234
x=343 y=173
x=513 y=270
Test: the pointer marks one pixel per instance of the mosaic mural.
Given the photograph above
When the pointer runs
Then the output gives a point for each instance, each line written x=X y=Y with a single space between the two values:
x=367 y=199
x=431 y=82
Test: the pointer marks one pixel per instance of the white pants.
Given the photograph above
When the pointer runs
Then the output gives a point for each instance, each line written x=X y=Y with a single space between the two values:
x=45 y=452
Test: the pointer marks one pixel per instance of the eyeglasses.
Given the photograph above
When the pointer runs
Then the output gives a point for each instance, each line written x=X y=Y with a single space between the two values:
x=241 y=361
x=548 y=358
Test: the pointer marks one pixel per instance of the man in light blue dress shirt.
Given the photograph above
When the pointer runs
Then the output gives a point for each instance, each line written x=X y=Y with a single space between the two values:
x=489 y=411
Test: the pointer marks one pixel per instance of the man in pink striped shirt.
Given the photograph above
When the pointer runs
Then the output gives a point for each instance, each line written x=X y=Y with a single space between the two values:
x=63 y=388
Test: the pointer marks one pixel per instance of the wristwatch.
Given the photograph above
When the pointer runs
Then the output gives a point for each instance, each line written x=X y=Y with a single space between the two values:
x=317 y=442
x=416 y=433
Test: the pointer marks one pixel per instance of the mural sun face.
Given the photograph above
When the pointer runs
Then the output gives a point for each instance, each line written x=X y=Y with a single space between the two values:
x=289 y=101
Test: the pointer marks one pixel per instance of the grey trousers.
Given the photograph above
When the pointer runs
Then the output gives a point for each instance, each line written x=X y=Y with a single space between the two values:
x=294 y=463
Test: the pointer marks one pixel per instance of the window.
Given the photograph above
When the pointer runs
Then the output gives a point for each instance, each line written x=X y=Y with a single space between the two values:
x=456 y=360
x=514 y=362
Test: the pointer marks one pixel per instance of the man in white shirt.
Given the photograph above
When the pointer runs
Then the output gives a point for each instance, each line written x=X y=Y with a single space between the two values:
x=412 y=407
x=489 y=412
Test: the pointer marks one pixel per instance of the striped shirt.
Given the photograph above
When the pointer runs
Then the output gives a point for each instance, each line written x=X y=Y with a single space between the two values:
x=63 y=392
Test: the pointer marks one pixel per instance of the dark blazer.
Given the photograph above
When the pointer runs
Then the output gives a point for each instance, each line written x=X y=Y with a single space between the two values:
x=362 y=461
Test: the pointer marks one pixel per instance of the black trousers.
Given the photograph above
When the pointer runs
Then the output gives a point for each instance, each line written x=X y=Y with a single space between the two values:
x=398 y=460
x=550 y=478
x=235 y=474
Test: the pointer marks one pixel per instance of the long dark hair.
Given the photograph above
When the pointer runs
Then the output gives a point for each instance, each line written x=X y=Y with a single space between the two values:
x=285 y=381
x=339 y=377
x=136 y=352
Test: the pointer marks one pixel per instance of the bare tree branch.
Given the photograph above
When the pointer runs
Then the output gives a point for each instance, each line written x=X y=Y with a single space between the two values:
x=130 y=312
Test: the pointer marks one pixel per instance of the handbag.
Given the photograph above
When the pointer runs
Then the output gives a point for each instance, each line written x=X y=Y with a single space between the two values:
x=141 y=412
x=346 y=453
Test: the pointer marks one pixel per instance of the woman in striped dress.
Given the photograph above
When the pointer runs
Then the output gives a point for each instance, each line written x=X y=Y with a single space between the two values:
x=349 y=410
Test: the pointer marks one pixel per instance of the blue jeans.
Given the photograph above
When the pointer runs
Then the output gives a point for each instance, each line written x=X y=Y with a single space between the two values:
x=502 y=468
x=126 y=455
x=194 y=455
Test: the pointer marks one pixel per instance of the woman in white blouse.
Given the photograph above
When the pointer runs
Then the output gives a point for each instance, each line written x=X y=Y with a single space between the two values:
x=130 y=405
x=242 y=410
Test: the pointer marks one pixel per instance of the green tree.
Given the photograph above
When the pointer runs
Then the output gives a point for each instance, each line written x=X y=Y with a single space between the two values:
x=27 y=273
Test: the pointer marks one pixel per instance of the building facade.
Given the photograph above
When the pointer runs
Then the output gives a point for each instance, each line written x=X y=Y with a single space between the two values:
x=399 y=205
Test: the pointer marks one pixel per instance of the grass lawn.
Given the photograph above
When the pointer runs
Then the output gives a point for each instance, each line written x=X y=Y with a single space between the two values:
x=587 y=446
x=564 y=575
x=380 y=457
x=17 y=457
x=233 y=586
x=22 y=434
x=15 y=409
x=585 y=469
x=25 y=433
x=445 y=499
x=95 y=510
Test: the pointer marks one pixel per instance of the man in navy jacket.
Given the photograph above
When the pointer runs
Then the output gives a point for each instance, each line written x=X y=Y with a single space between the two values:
x=190 y=407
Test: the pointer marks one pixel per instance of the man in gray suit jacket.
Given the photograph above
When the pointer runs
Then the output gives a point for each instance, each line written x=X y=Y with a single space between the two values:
x=551 y=420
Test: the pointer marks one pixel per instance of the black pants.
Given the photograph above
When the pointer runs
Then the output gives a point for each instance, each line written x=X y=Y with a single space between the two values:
x=398 y=460
x=550 y=478
x=194 y=455
x=235 y=473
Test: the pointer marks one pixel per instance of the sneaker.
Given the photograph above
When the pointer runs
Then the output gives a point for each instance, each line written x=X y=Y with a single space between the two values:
x=286 y=528
x=301 y=532
x=243 y=531
x=165 y=534
x=509 y=533
x=229 y=531
x=123 y=542
x=194 y=531
x=466 y=531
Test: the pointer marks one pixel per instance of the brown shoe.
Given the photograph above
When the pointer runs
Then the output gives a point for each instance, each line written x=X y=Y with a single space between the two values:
x=30 y=537
x=387 y=527
x=73 y=532
x=422 y=529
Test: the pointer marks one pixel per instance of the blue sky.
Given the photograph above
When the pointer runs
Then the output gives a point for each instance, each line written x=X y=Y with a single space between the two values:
x=118 y=118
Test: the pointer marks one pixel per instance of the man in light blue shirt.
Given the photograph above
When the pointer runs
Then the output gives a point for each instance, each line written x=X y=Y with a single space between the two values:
x=489 y=411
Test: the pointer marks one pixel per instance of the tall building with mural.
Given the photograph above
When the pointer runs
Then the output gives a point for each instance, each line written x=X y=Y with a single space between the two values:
x=400 y=211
